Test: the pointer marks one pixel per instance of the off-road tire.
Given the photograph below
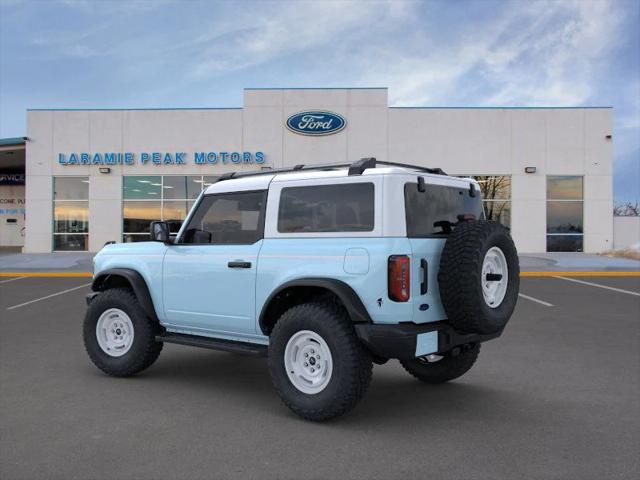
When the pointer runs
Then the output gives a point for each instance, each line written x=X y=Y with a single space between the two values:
x=460 y=277
x=144 y=349
x=444 y=370
x=352 y=364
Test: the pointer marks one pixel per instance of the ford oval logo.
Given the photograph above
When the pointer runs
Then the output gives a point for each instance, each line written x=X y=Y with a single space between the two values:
x=316 y=123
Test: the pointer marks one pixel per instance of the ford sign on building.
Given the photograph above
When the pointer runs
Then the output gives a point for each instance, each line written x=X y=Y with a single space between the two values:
x=98 y=175
x=316 y=123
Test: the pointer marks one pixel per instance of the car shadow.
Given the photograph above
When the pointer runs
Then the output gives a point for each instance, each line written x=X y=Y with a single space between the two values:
x=393 y=398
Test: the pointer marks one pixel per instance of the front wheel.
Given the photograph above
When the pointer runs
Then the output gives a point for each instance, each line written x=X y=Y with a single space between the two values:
x=440 y=369
x=317 y=365
x=118 y=335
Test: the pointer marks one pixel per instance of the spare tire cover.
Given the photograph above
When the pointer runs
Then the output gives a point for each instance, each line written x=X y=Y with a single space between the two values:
x=479 y=277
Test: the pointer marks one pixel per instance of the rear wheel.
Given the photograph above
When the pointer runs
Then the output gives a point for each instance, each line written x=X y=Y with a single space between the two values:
x=317 y=365
x=440 y=369
x=118 y=335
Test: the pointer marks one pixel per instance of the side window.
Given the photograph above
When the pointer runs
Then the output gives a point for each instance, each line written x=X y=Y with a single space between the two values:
x=227 y=219
x=327 y=208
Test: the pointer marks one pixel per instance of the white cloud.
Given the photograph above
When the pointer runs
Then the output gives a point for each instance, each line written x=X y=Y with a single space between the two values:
x=538 y=53
x=262 y=35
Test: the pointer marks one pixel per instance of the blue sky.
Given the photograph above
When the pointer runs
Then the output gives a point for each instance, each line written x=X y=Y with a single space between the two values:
x=156 y=53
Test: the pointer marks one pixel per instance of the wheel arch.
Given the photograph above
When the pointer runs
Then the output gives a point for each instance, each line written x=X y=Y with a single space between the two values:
x=128 y=278
x=298 y=291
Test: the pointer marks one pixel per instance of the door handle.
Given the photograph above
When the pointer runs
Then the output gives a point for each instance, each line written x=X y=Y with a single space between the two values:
x=239 y=264
x=424 y=284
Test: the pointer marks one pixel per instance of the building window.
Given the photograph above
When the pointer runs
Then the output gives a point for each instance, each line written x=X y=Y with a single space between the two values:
x=154 y=197
x=564 y=214
x=70 y=213
x=496 y=197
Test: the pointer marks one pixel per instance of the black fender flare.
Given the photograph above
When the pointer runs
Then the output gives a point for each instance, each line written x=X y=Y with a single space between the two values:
x=137 y=282
x=349 y=298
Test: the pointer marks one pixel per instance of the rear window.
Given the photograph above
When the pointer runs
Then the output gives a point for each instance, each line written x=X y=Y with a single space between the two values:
x=326 y=208
x=438 y=203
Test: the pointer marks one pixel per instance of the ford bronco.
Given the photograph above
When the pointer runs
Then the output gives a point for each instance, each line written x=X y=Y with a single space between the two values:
x=323 y=269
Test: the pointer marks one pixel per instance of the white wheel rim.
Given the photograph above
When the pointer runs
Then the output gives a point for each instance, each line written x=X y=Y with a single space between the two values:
x=495 y=263
x=114 y=332
x=308 y=362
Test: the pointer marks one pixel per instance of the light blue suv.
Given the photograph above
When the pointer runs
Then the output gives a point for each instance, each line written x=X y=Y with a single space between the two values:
x=323 y=269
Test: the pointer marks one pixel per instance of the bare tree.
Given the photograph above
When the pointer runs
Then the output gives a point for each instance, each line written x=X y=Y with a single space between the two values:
x=628 y=209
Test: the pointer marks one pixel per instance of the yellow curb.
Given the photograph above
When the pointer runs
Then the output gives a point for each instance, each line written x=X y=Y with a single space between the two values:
x=522 y=274
x=580 y=274
x=46 y=274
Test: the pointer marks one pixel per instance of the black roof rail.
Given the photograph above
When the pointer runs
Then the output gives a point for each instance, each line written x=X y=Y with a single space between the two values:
x=359 y=166
x=356 y=168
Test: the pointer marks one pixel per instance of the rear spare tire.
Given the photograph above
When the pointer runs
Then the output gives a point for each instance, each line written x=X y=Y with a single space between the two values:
x=479 y=277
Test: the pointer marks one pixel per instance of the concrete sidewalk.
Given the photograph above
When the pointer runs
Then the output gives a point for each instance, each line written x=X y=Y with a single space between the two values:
x=575 y=262
x=529 y=262
x=46 y=262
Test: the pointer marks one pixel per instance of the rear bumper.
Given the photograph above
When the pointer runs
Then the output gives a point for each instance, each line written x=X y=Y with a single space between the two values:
x=408 y=340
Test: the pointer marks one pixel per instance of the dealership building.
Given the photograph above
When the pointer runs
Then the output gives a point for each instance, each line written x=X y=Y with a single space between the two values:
x=81 y=178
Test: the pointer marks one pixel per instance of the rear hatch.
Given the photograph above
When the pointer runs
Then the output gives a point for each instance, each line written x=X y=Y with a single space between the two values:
x=429 y=217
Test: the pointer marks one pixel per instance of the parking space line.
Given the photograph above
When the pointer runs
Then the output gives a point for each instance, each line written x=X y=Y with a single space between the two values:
x=628 y=292
x=541 y=302
x=49 y=296
x=11 y=280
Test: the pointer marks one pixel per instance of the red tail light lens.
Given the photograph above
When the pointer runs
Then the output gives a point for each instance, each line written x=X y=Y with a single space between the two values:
x=399 y=278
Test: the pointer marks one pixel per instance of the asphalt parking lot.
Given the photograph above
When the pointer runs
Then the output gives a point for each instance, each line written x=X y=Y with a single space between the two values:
x=557 y=396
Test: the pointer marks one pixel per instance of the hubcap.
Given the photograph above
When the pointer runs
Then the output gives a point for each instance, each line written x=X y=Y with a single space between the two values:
x=114 y=332
x=494 y=277
x=308 y=362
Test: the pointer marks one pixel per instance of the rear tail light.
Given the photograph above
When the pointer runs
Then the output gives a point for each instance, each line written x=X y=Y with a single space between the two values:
x=399 y=278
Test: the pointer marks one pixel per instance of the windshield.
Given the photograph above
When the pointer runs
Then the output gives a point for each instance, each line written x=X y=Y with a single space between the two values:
x=432 y=212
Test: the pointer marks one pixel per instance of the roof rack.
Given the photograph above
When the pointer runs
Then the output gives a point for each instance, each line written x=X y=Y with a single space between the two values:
x=356 y=168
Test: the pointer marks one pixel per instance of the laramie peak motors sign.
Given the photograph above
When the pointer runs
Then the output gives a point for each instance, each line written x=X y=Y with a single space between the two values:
x=316 y=122
x=161 y=158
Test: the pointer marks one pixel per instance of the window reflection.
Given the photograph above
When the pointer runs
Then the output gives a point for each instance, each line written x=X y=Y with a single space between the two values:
x=564 y=214
x=564 y=243
x=169 y=198
x=142 y=187
x=494 y=187
x=564 y=188
x=174 y=186
x=62 y=243
x=71 y=188
x=564 y=217
x=499 y=211
x=495 y=191
x=174 y=213
x=137 y=216
x=70 y=213
x=71 y=217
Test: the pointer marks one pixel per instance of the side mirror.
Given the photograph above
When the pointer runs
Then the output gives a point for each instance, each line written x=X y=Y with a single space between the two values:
x=159 y=232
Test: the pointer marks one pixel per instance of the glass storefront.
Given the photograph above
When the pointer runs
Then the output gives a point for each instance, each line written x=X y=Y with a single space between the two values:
x=496 y=197
x=564 y=214
x=70 y=213
x=154 y=197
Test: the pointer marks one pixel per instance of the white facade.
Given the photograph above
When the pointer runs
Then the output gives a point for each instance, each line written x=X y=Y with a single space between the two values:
x=469 y=141
x=626 y=232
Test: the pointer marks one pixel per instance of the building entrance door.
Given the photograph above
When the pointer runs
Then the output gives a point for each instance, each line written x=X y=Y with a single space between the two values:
x=12 y=214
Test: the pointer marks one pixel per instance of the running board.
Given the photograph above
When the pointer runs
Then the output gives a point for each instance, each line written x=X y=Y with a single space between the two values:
x=245 y=348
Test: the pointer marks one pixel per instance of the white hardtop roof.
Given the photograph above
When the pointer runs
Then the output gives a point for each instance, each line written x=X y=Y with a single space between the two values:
x=261 y=181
